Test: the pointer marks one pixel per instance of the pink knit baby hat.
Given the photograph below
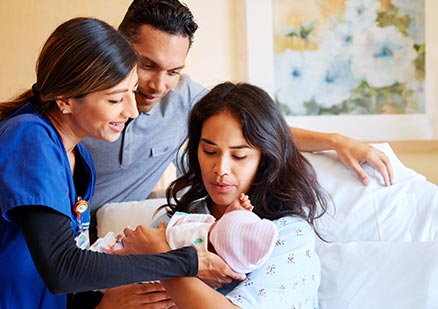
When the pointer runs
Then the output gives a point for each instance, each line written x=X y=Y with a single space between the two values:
x=243 y=240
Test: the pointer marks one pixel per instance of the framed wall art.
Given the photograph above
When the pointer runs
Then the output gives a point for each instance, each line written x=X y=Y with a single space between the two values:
x=363 y=68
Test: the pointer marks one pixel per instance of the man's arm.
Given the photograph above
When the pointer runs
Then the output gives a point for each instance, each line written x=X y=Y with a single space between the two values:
x=351 y=152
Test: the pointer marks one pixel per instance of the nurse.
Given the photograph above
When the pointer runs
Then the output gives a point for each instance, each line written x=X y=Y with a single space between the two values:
x=85 y=84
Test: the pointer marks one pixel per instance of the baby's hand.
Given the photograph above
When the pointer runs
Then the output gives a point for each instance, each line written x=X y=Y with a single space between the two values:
x=245 y=203
x=241 y=203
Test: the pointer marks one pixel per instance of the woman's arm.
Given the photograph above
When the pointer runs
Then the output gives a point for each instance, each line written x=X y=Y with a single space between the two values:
x=66 y=268
x=351 y=152
x=192 y=293
x=156 y=297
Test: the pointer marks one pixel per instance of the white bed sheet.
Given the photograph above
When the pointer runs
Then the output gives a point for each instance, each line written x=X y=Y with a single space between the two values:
x=379 y=275
x=405 y=211
x=382 y=250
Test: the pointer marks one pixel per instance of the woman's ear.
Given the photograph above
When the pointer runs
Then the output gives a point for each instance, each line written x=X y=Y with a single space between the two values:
x=64 y=104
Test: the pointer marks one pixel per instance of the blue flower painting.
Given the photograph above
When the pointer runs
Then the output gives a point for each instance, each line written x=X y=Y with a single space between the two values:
x=338 y=57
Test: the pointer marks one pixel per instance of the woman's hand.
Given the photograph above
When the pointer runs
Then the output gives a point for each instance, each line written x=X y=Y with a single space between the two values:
x=215 y=272
x=144 y=240
x=146 y=295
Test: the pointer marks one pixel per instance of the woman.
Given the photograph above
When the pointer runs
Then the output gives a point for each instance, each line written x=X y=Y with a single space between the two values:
x=239 y=143
x=85 y=85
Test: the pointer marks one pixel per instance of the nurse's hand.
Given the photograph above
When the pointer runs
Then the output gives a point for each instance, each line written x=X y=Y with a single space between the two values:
x=215 y=272
x=144 y=240
x=146 y=295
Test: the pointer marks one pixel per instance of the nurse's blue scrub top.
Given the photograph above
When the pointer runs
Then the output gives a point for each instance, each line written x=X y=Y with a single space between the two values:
x=34 y=170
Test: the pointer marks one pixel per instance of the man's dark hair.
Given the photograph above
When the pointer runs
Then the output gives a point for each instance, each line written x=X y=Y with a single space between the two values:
x=170 y=16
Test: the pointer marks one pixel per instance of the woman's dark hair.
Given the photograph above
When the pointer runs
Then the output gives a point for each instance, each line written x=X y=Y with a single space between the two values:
x=81 y=56
x=285 y=182
x=170 y=16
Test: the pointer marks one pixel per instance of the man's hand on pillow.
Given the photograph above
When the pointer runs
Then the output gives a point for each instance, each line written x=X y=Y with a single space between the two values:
x=354 y=153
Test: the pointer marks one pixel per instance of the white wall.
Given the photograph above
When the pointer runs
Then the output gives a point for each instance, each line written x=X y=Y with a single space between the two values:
x=218 y=53
x=26 y=24
x=213 y=57
x=432 y=64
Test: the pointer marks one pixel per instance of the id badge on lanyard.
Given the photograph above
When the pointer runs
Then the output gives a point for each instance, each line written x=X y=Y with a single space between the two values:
x=83 y=239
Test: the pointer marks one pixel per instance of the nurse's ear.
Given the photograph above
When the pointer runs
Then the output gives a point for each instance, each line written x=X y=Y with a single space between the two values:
x=64 y=104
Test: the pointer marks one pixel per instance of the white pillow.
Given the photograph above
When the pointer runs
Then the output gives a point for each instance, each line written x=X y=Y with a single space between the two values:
x=114 y=217
x=381 y=253
x=405 y=211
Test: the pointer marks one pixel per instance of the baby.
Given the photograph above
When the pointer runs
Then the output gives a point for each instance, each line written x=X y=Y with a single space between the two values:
x=240 y=237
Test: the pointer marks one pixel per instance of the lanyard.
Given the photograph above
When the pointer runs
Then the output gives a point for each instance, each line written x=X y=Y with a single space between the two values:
x=79 y=208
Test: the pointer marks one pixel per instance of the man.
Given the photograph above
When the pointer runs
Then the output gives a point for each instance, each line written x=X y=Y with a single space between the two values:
x=162 y=32
x=127 y=170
